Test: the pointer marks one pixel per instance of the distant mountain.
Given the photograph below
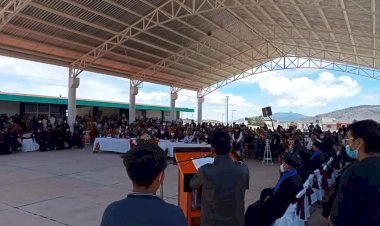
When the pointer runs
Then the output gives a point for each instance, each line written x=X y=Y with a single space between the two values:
x=281 y=116
x=350 y=114
x=344 y=115
x=286 y=117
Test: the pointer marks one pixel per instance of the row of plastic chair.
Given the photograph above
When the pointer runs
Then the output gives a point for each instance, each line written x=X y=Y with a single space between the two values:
x=298 y=212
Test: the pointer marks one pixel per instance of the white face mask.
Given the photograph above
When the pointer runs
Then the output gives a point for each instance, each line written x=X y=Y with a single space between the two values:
x=282 y=169
x=172 y=134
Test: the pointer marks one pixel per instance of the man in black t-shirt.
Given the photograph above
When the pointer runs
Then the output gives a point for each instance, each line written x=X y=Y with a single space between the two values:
x=358 y=197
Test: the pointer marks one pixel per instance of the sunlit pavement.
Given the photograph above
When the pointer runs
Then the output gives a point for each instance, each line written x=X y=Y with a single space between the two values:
x=73 y=187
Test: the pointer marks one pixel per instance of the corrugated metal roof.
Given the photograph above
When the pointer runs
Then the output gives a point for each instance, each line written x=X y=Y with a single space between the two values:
x=161 y=41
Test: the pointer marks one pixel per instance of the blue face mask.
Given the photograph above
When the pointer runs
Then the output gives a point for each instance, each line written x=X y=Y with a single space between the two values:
x=351 y=153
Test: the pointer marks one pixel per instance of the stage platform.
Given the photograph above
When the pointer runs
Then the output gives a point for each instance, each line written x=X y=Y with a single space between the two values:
x=73 y=187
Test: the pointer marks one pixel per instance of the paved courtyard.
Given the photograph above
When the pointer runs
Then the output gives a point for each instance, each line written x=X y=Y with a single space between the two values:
x=73 y=187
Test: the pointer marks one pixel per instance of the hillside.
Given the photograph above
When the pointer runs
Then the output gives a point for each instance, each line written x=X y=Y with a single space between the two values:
x=285 y=117
x=350 y=114
x=344 y=115
x=282 y=117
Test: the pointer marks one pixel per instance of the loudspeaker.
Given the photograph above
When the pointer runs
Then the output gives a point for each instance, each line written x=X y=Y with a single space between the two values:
x=73 y=82
x=267 y=111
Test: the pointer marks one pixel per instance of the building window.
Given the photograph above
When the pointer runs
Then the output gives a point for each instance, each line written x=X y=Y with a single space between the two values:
x=43 y=110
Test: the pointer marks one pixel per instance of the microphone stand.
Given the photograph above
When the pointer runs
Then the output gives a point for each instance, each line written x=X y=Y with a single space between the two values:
x=162 y=190
x=198 y=157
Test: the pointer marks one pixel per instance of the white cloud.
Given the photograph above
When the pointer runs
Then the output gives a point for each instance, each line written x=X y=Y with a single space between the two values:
x=22 y=76
x=155 y=97
x=214 y=106
x=33 y=71
x=187 y=98
x=289 y=88
x=288 y=73
x=305 y=92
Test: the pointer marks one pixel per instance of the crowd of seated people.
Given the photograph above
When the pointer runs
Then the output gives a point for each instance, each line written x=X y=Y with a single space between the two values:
x=353 y=201
x=53 y=133
x=49 y=133
x=297 y=151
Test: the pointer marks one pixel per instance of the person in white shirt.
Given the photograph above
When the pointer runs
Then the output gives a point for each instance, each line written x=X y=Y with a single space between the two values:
x=189 y=137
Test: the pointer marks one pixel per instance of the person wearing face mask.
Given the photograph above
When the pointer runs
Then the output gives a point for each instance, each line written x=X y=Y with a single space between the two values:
x=237 y=140
x=327 y=205
x=274 y=201
x=65 y=125
x=40 y=138
x=205 y=138
x=189 y=137
x=358 y=197
x=161 y=134
x=142 y=206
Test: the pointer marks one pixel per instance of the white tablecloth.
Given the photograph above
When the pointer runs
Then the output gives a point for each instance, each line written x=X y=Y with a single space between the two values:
x=29 y=145
x=171 y=145
x=113 y=144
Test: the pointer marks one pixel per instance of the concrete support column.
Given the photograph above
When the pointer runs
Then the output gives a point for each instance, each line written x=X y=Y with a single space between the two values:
x=201 y=99
x=71 y=103
x=133 y=91
x=173 y=97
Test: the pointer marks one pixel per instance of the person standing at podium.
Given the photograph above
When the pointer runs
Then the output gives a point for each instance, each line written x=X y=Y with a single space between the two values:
x=223 y=185
x=145 y=166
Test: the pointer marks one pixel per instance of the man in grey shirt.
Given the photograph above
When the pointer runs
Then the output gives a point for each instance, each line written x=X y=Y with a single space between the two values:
x=223 y=185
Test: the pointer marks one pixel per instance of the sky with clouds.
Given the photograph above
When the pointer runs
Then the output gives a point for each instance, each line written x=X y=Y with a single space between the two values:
x=305 y=91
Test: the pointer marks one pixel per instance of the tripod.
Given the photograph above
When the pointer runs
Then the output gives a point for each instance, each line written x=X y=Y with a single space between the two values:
x=267 y=153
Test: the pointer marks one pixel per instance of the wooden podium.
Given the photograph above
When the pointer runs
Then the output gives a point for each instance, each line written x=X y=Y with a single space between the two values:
x=186 y=170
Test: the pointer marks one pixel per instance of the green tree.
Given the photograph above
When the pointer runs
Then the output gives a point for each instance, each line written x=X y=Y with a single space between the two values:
x=255 y=121
x=293 y=124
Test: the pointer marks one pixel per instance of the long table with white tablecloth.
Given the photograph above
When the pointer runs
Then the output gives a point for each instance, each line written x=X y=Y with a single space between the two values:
x=123 y=145
x=168 y=145
x=112 y=144
x=28 y=145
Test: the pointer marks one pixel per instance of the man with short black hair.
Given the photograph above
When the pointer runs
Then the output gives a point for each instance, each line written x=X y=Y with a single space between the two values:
x=358 y=197
x=223 y=185
x=318 y=157
x=145 y=166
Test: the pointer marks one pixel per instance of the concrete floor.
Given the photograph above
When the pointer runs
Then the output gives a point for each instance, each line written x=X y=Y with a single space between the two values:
x=73 y=187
